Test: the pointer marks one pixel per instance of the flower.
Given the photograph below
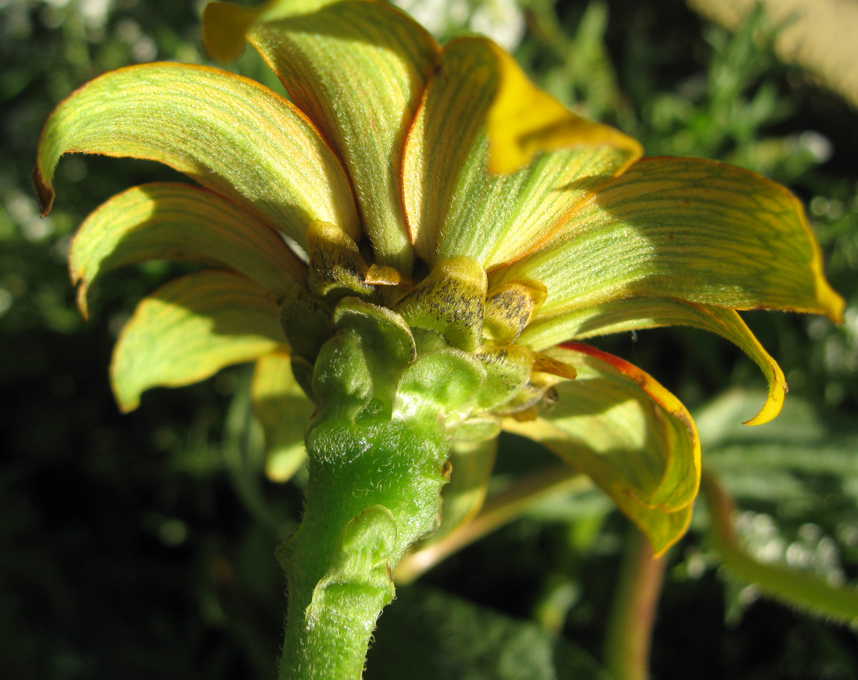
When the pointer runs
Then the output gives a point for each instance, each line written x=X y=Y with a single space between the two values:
x=441 y=190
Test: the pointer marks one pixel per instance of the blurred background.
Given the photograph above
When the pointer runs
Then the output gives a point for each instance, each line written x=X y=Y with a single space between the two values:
x=141 y=546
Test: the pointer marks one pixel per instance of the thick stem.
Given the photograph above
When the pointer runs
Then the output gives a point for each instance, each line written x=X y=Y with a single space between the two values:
x=633 y=612
x=374 y=490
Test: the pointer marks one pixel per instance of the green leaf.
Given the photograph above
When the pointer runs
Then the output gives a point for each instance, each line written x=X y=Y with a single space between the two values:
x=229 y=133
x=630 y=435
x=689 y=229
x=179 y=222
x=358 y=70
x=284 y=412
x=637 y=313
x=455 y=205
x=430 y=635
x=191 y=328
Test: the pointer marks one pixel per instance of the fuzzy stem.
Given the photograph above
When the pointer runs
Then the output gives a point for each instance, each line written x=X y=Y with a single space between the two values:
x=633 y=612
x=801 y=590
x=374 y=490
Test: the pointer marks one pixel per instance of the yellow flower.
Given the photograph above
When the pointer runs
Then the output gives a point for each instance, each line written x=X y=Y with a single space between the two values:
x=444 y=186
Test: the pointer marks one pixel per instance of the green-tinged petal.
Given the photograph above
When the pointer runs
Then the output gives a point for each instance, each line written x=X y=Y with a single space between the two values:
x=637 y=313
x=229 y=133
x=357 y=68
x=685 y=228
x=190 y=329
x=472 y=465
x=455 y=205
x=179 y=222
x=284 y=411
x=629 y=434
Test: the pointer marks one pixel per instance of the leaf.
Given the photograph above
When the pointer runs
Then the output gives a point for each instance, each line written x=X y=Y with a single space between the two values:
x=630 y=435
x=430 y=635
x=690 y=229
x=637 y=313
x=190 y=329
x=284 y=412
x=229 y=133
x=454 y=203
x=179 y=222
x=357 y=69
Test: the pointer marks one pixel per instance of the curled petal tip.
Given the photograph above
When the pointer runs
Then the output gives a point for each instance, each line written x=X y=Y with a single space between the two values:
x=44 y=192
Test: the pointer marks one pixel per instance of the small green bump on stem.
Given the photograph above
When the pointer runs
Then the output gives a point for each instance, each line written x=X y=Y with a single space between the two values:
x=387 y=344
x=342 y=382
x=440 y=385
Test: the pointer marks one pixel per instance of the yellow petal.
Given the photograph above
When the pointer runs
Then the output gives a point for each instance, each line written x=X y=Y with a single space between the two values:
x=190 y=329
x=629 y=434
x=229 y=133
x=357 y=68
x=637 y=313
x=284 y=412
x=685 y=228
x=179 y=222
x=455 y=206
x=525 y=120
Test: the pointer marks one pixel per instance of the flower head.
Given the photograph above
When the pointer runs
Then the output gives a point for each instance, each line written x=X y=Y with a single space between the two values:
x=439 y=197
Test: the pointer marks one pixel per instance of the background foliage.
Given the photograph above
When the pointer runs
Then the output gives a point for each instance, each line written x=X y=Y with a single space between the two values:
x=141 y=546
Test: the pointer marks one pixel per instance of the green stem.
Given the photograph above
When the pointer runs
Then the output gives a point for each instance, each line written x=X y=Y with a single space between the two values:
x=374 y=490
x=801 y=590
x=632 y=615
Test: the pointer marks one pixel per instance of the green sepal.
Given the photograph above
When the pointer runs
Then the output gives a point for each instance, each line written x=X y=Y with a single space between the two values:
x=441 y=384
x=509 y=308
x=386 y=344
x=507 y=372
x=306 y=321
x=449 y=301
x=342 y=382
x=336 y=265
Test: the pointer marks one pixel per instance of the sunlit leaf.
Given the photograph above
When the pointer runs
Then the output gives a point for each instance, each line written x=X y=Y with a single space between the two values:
x=629 y=434
x=455 y=205
x=689 y=229
x=190 y=329
x=179 y=222
x=229 y=133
